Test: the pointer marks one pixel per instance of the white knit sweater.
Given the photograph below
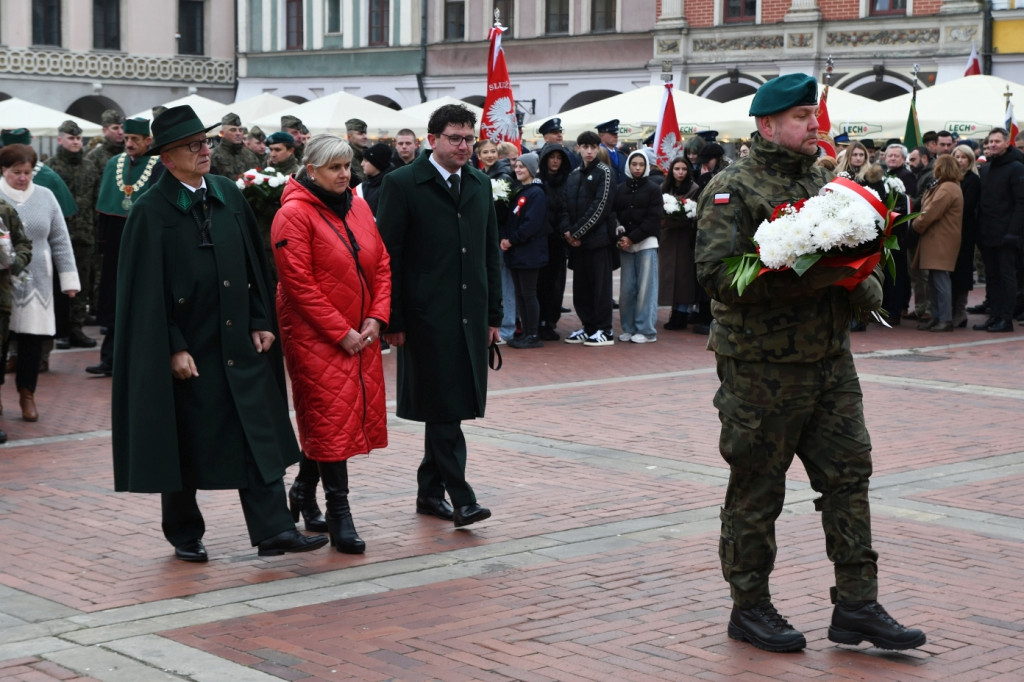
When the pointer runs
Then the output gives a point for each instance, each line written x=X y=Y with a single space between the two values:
x=33 y=302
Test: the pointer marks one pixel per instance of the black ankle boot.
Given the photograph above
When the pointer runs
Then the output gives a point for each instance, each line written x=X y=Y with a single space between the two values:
x=340 y=526
x=677 y=320
x=302 y=496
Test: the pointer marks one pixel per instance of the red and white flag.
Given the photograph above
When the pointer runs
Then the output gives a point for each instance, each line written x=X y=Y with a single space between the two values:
x=498 y=123
x=1011 y=122
x=973 y=63
x=668 y=142
x=825 y=141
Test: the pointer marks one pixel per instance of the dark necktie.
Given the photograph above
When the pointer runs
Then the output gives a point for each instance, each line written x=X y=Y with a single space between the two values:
x=199 y=214
x=454 y=180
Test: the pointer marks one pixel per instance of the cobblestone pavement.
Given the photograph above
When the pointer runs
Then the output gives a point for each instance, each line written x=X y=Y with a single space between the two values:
x=601 y=468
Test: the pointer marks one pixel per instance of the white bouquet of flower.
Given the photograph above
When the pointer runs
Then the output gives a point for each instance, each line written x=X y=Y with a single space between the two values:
x=501 y=190
x=690 y=208
x=894 y=185
x=262 y=188
x=672 y=204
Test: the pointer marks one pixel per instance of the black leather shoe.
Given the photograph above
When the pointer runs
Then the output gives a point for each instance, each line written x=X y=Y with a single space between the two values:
x=470 y=513
x=853 y=622
x=291 y=541
x=78 y=339
x=765 y=628
x=193 y=551
x=1000 y=326
x=546 y=333
x=982 y=326
x=434 y=506
x=62 y=343
x=102 y=368
x=980 y=309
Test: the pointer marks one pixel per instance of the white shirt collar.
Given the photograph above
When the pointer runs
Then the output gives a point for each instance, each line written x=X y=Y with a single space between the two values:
x=445 y=174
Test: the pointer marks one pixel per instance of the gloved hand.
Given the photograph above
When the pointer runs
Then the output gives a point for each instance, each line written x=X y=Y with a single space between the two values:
x=867 y=295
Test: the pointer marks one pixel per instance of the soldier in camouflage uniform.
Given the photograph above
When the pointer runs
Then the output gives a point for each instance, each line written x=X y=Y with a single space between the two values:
x=789 y=386
x=298 y=131
x=21 y=248
x=256 y=141
x=282 y=154
x=357 y=139
x=231 y=158
x=113 y=140
x=83 y=180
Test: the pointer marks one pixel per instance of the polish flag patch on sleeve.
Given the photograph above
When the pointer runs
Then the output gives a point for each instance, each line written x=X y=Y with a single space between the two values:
x=722 y=198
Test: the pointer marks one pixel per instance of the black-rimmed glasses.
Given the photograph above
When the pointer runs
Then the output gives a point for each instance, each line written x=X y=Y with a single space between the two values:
x=194 y=147
x=457 y=140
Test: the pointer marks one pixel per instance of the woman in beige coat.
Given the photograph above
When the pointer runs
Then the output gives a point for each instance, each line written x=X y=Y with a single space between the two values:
x=939 y=227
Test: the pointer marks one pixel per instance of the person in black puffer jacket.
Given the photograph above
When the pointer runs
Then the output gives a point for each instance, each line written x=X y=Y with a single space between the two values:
x=524 y=241
x=555 y=166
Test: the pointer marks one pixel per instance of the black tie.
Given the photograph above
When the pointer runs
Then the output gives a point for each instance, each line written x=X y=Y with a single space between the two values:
x=454 y=180
x=200 y=216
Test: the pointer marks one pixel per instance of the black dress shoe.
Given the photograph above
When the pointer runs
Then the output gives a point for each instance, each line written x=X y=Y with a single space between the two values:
x=546 y=333
x=765 y=628
x=982 y=326
x=62 y=343
x=102 y=368
x=78 y=339
x=853 y=622
x=434 y=506
x=1000 y=326
x=980 y=309
x=193 y=550
x=291 y=541
x=470 y=513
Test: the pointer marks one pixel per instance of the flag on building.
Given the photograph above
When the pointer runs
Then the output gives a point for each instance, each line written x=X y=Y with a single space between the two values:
x=973 y=63
x=912 y=136
x=1011 y=121
x=825 y=140
x=668 y=142
x=498 y=122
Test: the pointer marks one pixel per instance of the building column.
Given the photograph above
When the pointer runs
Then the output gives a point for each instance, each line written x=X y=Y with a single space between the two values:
x=803 y=10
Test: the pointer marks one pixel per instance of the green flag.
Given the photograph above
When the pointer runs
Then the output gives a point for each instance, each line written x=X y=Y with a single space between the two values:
x=912 y=136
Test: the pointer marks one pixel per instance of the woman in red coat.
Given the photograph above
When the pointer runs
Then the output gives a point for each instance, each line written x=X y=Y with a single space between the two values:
x=333 y=301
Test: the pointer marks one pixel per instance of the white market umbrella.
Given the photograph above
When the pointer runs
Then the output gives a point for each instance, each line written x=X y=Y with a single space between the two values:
x=41 y=121
x=328 y=115
x=423 y=110
x=206 y=109
x=252 y=109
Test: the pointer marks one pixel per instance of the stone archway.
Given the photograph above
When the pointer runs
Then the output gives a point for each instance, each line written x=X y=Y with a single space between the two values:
x=729 y=86
x=878 y=87
x=384 y=101
x=587 y=97
x=91 y=107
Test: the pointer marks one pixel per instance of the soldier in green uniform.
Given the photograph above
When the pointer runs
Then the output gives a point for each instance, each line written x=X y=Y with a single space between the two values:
x=789 y=386
x=282 y=153
x=83 y=180
x=231 y=158
x=21 y=254
x=294 y=127
x=113 y=140
x=357 y=139
x=256 y=141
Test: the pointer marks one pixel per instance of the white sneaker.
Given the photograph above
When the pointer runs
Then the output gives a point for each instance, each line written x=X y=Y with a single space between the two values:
x=578 y=336
x=599 y=338
x=640 y=338
x=625 y=336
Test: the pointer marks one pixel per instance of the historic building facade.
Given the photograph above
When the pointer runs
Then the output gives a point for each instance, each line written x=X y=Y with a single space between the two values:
x=84 y=56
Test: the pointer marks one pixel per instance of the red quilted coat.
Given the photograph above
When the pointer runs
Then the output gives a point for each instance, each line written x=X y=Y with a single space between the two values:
x=321 y=295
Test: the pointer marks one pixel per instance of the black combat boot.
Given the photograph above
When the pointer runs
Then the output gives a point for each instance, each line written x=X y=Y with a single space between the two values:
x=765 y=628
x=340 y=526
x=302 y=496
x=855 y=621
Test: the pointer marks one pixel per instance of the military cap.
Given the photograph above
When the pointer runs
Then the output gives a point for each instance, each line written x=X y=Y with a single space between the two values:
x=158 y=109
x=175 y=124
x=111 y=117
x=69 y=127
x=358 y=125
x=137 y=126
x=708 y=135
x=292 y=122
x=779 y=94
x=303 y=129
x=257 y=134
x=379 y=155
x=611 y=126
x=230 y=119
x=842 y=138
x=16 y=136
x=649 y=140
x=552 y=125
x=930 y=136
x=281 y=137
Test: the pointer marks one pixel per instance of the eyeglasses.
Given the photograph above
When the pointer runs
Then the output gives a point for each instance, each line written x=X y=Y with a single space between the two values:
x=194 y=147
x=458 y=140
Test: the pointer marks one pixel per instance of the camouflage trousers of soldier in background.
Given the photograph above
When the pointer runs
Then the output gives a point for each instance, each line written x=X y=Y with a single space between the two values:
x=769 y=412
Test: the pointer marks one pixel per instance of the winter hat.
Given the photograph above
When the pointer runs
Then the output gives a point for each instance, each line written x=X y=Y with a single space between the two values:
x=643 y=155
x=379 y=155
x=532 y=163
x=710 y=151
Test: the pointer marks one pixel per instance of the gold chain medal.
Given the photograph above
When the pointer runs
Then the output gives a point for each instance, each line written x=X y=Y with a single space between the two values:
x=128 y=190
x=126 y=203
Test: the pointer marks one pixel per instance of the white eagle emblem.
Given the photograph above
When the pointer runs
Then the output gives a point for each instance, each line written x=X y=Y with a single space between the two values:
x=671 y=147
x=501 y=121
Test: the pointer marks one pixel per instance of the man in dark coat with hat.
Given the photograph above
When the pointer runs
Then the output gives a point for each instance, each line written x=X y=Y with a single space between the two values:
x=199 y=399
x=789 y=385
x=231 y=158
x=437 y=218
x=609 y=134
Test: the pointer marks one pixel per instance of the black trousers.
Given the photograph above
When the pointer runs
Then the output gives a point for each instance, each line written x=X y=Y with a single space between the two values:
x=527 y=304
x=1001 y=263
x=551 y=283
x=30 y=352
x=264 y=506
x=444 y=464
x=592 y=288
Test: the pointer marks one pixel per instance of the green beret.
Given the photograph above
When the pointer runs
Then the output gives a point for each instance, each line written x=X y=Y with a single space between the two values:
x=282 y=138
x=136 y=126
x=779 y=94
x=69 y=127
x=356 y=125
x=230 y=120
x=111 y=117
x=290 y=122
x=16 y=136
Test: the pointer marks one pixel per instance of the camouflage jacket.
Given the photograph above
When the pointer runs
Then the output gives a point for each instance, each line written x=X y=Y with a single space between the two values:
x=105 y=151
x=21 y=247
x=289 y=166
x=83 y=181
x=231 y=159
x=780 y=317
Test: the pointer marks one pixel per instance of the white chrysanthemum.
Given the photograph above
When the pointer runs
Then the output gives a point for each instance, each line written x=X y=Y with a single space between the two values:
x=671 y=204
x=690 y=207
x=241 y=183
x=276 y=180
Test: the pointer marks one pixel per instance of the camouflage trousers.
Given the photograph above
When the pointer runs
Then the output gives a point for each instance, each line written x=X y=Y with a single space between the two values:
x=769 y=412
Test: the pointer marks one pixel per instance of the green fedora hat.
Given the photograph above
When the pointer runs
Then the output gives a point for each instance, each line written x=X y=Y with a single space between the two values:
x=175 y=124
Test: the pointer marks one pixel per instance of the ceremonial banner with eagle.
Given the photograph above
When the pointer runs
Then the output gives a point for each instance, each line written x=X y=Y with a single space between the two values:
x=498 y=123
x=667 y=141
